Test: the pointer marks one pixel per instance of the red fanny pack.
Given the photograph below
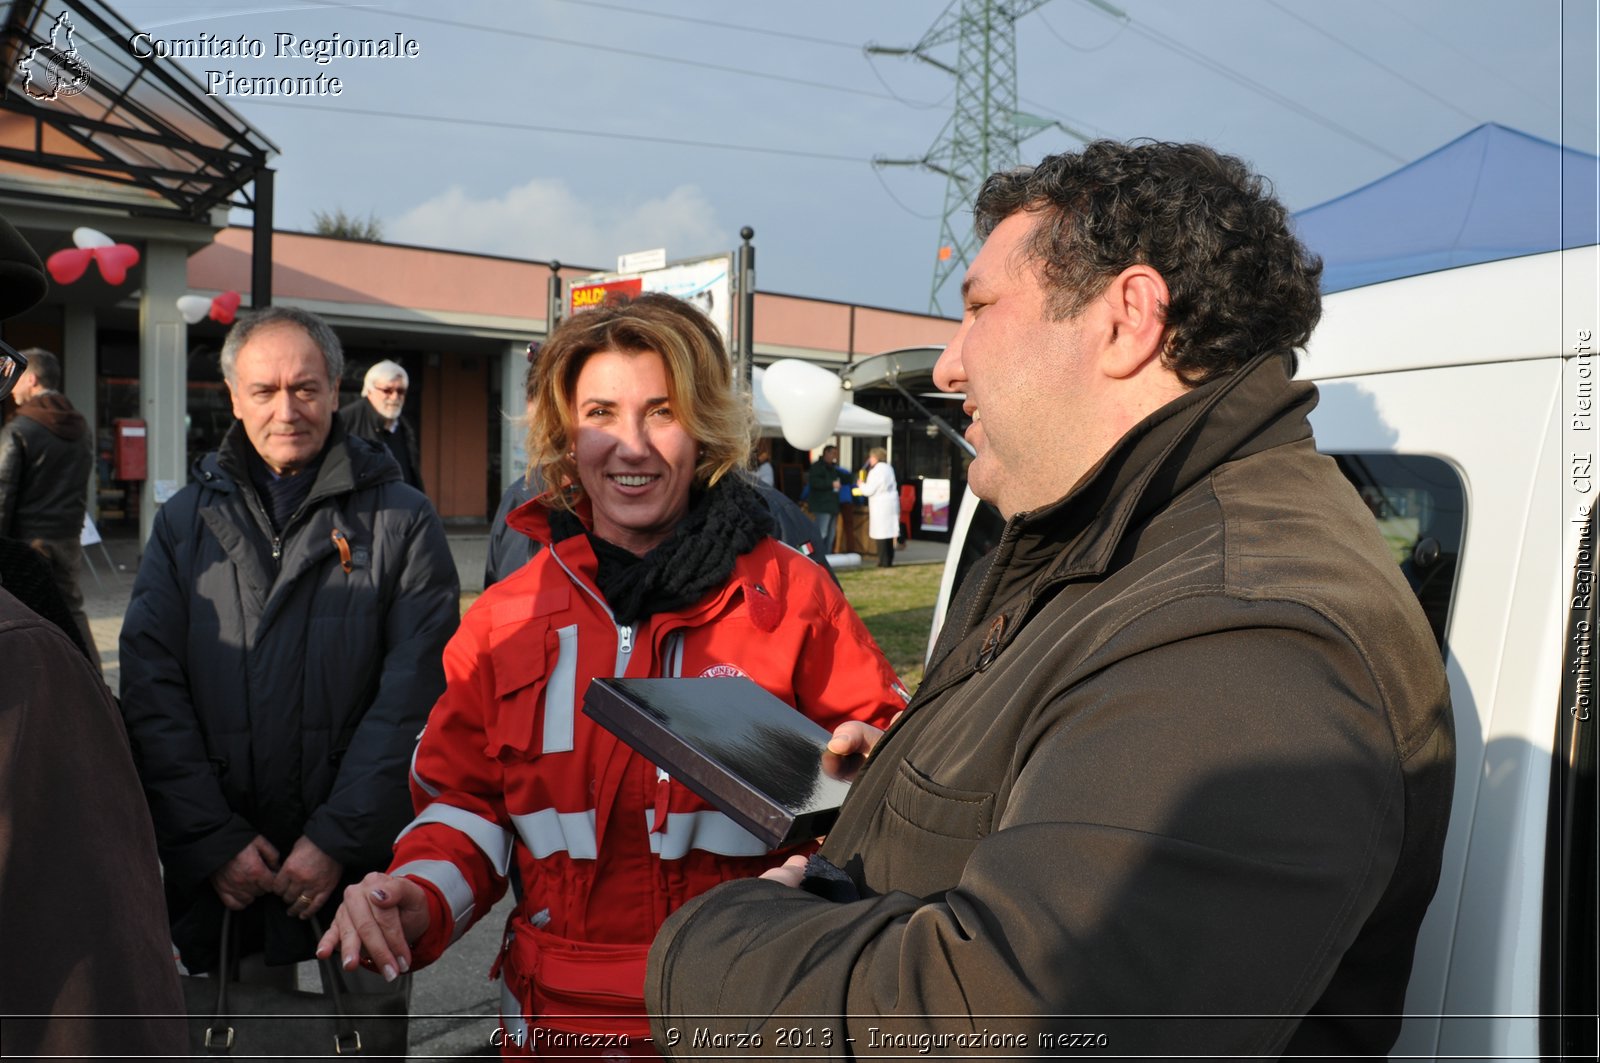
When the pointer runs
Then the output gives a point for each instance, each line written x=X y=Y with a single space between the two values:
x=577 y=986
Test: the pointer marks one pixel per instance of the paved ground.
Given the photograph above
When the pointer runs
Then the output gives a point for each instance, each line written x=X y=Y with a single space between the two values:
x=454 y=1006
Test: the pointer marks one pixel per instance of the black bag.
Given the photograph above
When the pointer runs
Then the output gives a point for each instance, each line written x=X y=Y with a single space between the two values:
x=229 y=1017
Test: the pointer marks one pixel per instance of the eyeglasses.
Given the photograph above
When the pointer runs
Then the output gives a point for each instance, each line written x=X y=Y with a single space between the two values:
x=12 y=366
x=390 y=393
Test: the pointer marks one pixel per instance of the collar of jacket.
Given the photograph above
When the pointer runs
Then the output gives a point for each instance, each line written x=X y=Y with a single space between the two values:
x=348 y=463
x=52 y=410
x=757 y=572
x=362 y=418
x=1227 y=418
x=532 y=518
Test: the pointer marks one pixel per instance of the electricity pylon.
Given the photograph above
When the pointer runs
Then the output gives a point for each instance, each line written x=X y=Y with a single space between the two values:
x=985 y=131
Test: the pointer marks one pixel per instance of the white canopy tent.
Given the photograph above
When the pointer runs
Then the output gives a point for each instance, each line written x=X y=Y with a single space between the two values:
x=853 y=420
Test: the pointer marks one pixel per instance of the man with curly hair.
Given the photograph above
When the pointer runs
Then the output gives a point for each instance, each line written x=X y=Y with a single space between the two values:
x=1177 y=777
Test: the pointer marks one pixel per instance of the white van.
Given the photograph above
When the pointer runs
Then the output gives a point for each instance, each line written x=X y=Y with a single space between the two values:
x=1461 y=405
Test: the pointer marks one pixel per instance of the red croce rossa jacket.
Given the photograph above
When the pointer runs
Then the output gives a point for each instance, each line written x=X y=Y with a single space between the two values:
x=511 y=776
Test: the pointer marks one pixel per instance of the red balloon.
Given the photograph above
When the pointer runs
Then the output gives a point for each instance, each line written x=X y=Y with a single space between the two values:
x=224 y=307
x=67 y=265
x=115 y=261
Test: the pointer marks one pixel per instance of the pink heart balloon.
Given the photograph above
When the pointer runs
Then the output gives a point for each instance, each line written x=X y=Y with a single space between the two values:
x=67 y=265
x=224 y=307
x=115 y=261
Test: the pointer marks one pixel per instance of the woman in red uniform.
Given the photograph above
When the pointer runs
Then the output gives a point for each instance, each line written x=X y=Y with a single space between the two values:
x=658 y=561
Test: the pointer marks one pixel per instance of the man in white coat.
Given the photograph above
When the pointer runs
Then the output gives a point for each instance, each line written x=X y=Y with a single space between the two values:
x=883 y=504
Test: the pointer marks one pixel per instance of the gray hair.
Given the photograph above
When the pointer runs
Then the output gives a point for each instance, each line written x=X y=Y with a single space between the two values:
x=313 y=326
x=383 y=372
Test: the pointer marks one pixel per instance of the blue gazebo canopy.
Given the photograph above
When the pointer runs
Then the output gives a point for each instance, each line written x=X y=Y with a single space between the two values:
x=1489 y=194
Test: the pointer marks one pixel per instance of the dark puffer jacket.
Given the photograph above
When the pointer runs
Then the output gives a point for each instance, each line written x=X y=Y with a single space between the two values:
x=269 y=687
x=1184 y=756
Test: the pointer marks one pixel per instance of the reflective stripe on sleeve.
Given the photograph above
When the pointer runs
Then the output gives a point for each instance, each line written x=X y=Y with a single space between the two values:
x=448 y=880
x=548 y=831
x=712 y=832
x=422 y=784
x=492 y=839
x=561 y=693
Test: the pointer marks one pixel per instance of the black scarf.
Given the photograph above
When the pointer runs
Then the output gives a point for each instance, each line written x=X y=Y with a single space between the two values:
x=281 y=496
x=723 y=522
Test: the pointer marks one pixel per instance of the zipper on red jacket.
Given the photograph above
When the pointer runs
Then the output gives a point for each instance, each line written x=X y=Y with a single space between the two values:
x=658 y=822
x=624 y=631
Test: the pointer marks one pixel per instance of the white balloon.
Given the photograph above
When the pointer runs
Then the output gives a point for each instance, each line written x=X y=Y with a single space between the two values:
x=83 y=236
x=193 y=307
x=808 y=399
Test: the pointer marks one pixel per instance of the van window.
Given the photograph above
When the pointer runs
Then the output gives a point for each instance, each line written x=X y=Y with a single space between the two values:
x=1420 y=508
x=1418 y=502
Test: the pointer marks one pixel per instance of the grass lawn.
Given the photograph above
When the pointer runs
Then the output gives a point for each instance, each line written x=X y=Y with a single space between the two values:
x=896 y=604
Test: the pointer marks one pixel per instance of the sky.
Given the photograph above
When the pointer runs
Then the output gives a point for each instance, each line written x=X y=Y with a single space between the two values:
x=583 y=129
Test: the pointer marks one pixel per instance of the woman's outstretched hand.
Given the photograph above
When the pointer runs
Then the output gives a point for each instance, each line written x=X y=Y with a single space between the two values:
x=380 y=919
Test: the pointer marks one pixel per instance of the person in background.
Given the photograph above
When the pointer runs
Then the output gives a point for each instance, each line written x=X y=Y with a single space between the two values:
x=764 y=471
x=375 y=416
x=85 y=962
x=509 y=549
x=1183 y=756
x=883 y=504
x=280 y=653
x=657 y=559
x=822 y=485
x=46 y=455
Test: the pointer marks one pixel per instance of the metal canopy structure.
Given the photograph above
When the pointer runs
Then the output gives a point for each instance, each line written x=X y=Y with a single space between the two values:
x=93 y=124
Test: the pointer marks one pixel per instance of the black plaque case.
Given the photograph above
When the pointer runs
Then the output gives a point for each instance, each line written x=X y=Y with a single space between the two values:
x=732 y=742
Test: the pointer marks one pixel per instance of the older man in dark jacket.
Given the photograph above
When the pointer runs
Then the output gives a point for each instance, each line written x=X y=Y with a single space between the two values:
x=375 y=417
x=281 y=652
x=1177 y=777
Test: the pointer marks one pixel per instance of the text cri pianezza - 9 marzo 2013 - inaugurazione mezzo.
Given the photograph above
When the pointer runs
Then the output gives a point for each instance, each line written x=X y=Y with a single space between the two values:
x=321 y=51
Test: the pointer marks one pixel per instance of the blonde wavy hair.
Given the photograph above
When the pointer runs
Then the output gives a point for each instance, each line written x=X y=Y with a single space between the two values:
x=699 y=386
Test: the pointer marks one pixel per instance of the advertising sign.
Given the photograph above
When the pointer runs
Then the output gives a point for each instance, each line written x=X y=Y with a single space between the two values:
x=706 y=282
x=935 y=505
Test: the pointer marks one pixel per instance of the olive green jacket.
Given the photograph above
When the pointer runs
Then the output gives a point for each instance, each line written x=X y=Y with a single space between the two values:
x=1185 y=749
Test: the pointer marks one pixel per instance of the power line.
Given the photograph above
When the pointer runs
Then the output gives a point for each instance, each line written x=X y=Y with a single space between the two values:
x=717 y=24
x=878 y=173
x=873 y=66
x=1067 y=118
x=502 y=31
x=1257 y=87
x=1078 y=47
x=489 y=123
x=1398 y=12
x=1391 y=71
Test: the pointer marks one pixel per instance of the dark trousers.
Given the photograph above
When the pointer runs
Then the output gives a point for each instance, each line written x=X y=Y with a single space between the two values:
x=885 y=552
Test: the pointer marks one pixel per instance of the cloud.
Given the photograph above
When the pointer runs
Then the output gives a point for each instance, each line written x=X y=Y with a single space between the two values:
x=545 y=219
